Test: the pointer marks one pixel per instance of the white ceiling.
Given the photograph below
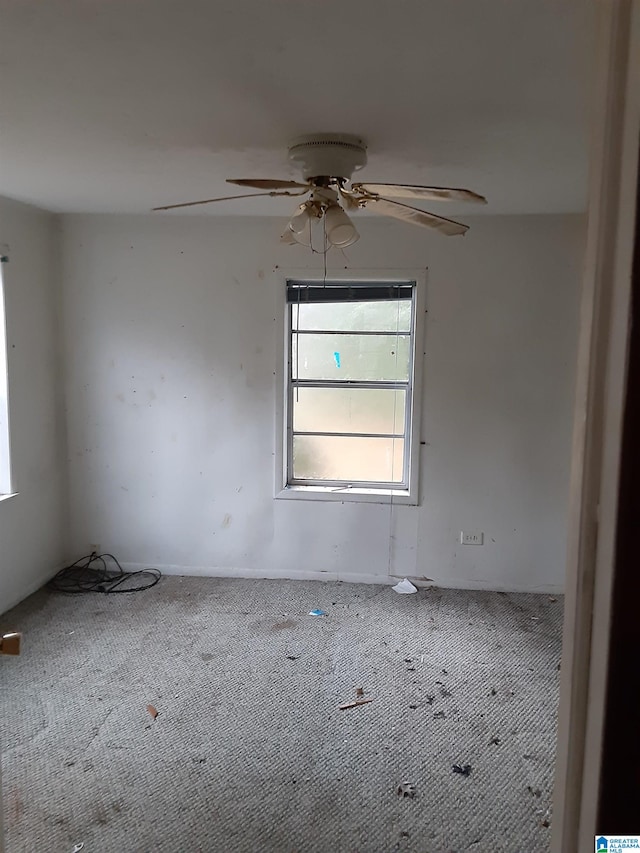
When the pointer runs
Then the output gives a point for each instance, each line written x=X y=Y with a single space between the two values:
x=120 y=105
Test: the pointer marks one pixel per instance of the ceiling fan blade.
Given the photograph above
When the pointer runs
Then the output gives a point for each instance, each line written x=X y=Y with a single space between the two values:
x=426 y=193
x=227 y=198
x=267 y=184
x=415 y=216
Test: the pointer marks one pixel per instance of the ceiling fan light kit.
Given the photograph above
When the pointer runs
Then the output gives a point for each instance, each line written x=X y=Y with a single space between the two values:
x=300 y=220
x=328 y=162
x=341 y=232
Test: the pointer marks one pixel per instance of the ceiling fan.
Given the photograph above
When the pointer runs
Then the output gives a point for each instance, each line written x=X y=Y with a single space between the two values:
x=328 y=162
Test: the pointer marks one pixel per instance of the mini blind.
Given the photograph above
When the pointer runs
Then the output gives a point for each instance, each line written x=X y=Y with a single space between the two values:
x=300 y=291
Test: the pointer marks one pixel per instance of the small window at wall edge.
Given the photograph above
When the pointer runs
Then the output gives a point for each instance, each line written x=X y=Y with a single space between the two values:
x=5 y=457
x=349 y=391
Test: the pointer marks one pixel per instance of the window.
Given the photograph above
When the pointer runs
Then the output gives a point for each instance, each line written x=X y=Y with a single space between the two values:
x=350 y=409
x=5 y=465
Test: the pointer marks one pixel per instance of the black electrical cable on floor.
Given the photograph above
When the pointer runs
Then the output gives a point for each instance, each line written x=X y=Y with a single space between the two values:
x=90 y=574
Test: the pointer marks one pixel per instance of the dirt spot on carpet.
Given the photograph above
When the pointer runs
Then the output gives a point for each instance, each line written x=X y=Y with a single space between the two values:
x=267 y=627
x=16 y=806
x=282 y=626
x=101 y=817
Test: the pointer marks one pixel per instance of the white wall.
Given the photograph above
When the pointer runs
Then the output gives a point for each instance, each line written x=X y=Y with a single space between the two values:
x=33 y=523
x=170 y=349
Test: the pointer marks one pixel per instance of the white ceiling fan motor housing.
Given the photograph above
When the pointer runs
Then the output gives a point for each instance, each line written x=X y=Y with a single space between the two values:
x=328 y=155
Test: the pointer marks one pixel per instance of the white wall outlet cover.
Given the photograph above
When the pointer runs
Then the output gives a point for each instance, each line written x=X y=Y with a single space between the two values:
x=471 y=537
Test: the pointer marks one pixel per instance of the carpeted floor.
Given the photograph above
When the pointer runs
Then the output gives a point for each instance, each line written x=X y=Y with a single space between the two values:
x=249 y=752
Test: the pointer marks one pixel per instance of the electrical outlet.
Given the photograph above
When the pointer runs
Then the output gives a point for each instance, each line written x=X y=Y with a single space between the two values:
x=94 y=549
x=471 y=537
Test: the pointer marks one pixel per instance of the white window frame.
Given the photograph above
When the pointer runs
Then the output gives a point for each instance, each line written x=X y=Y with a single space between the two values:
x=6 y=478
x=402 y=495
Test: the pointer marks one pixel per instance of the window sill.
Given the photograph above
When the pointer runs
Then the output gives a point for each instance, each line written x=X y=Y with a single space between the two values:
x=10 y=495
x=333 y=493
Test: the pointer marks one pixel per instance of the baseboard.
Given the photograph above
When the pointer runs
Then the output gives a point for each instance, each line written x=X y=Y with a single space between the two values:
x=346 y=577
x=33 y=586
x=486 y=586
x=284 y=574
x=264 y=574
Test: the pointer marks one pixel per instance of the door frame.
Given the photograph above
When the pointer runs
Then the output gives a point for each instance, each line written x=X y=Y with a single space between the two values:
x=619 y=792
x=1 y=811
x=598 y=417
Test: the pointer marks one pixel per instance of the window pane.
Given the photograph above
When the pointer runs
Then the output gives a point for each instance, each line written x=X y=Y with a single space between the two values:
x=391 y=316
x=380 y=410
x=317 y=457
x=357 y=357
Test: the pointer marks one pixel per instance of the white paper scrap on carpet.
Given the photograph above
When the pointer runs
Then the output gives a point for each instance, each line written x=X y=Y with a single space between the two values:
x=405 y=587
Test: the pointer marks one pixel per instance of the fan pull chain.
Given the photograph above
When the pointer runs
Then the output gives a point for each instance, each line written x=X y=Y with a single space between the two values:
x=324 y=228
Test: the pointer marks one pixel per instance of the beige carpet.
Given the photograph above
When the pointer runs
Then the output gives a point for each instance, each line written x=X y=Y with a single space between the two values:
x=249 y=752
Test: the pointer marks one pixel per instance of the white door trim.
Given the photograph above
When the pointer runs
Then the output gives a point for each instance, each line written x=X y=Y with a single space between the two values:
x=1 y=810
x=600 y=393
